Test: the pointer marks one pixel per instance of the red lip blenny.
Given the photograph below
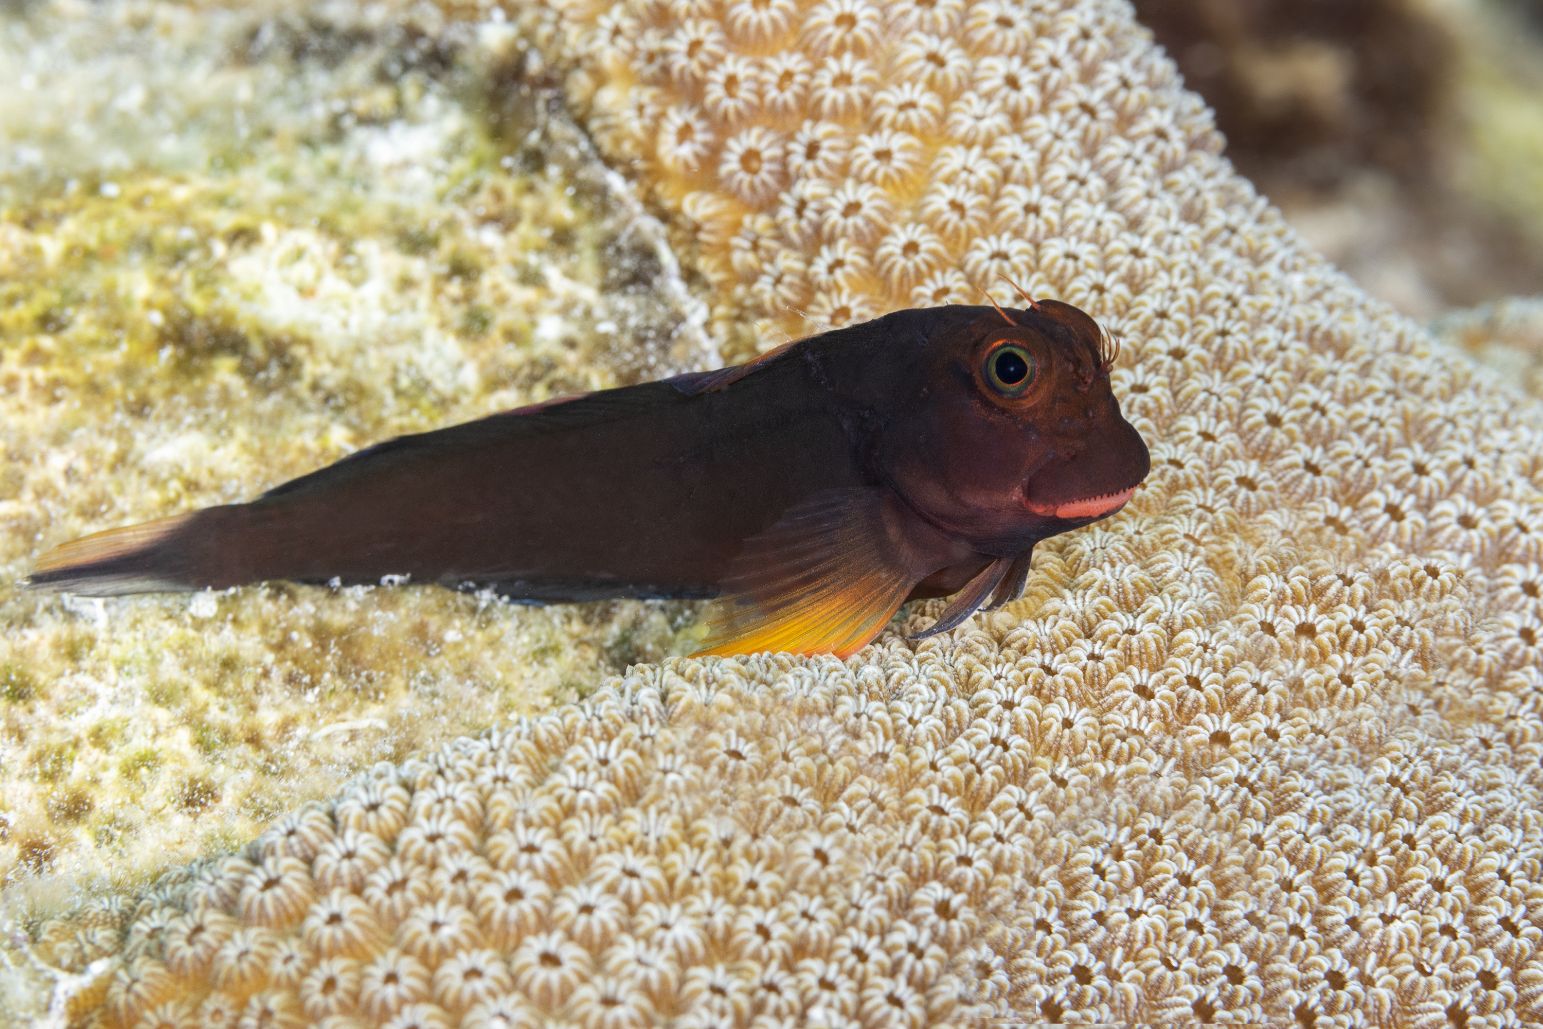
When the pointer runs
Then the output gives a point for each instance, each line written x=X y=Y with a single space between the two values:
x=813 y=490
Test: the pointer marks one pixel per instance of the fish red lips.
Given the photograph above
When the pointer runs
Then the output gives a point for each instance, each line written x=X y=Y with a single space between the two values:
x=1095 y=506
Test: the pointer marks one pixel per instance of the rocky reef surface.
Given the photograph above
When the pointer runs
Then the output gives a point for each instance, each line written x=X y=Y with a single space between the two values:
x=235 y=244
x=1507 y=335
x=1269 y=746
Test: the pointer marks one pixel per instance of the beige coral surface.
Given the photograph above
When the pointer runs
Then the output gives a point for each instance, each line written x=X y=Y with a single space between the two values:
x=1506 y=335
x=1266 y=746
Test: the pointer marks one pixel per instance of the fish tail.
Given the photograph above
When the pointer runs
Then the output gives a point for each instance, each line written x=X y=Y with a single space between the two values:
x=163 y=555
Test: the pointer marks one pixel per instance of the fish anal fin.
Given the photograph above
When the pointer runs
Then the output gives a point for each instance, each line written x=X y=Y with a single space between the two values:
x=825 y=579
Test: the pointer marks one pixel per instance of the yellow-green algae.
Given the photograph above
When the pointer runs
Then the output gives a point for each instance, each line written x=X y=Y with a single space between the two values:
x=235 y=244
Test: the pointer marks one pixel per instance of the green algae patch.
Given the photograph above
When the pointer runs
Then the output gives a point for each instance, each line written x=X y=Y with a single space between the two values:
x=239 y=243
x=17 y=686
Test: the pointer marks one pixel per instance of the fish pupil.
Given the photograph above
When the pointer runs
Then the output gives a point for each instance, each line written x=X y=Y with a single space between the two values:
x=1011 y=368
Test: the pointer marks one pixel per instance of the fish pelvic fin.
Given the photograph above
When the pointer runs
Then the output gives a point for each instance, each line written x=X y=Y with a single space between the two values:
x=1012 y=584
x=1000 y=582
x=969 y=599
x=825 y=579
x=132 y=559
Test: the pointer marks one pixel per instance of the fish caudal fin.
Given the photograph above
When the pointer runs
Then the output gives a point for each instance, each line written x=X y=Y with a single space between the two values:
x=142 y=558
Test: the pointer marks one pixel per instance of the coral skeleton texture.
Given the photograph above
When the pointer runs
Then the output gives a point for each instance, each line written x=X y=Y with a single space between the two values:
x=1268 y=746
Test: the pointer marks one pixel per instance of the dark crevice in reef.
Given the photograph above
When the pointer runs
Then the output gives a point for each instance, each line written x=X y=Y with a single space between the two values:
x=1325 y=86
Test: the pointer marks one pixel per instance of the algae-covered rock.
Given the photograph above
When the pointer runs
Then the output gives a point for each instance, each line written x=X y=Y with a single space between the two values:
x=237 y=243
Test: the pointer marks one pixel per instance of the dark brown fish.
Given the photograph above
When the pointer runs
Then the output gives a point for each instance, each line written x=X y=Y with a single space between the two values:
x=814 y=489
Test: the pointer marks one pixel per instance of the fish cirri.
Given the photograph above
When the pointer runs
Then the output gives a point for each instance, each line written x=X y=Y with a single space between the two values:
x=813 y=490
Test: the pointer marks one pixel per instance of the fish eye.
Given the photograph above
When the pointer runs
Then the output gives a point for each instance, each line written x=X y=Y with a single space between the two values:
x=1009 y=369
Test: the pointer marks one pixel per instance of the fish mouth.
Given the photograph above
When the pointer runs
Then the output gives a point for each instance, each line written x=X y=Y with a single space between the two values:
x=1096 y=506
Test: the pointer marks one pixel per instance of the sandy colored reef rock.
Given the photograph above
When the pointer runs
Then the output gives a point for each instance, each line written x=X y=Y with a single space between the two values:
x=1268 y=746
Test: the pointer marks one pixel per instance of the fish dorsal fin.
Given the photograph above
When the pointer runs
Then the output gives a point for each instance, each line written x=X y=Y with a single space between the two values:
x=693 y=383
x=556 y=415
x=967 y=600
x=825 y=579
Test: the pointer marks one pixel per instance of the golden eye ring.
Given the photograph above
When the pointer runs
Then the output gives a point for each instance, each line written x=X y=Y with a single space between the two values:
x=1009 y=369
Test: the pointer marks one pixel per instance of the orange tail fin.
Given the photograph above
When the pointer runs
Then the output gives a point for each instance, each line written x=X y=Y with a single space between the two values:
x=140 y=558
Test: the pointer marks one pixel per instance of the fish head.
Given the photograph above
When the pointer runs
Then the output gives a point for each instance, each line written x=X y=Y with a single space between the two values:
x=1012 y=432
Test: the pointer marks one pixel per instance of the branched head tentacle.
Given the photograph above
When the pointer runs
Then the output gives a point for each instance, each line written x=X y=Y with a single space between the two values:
x=1033 y=304
x=992 y=301
x=1108 y=350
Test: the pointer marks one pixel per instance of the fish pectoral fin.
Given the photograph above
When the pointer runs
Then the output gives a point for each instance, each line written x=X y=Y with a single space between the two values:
x=1011 y=586
x=825 y=579
x=967 y=600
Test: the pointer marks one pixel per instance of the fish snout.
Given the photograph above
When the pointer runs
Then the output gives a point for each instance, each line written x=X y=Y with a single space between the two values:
x=1092 y=480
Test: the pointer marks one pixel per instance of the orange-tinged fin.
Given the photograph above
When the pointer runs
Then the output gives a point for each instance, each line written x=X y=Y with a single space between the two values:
x=825 y=579
x=968 y=599
x=111 y=563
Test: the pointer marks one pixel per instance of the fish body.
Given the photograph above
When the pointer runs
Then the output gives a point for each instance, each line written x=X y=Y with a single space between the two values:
x=814 y=489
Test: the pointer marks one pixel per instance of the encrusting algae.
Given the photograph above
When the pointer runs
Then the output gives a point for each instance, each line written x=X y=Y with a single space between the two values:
x=1267 y=748
x=382 y=248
